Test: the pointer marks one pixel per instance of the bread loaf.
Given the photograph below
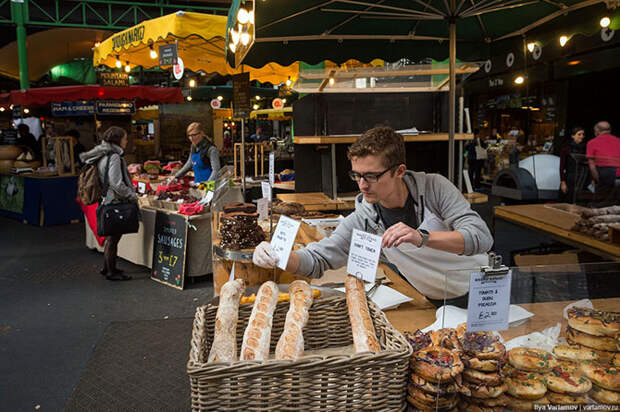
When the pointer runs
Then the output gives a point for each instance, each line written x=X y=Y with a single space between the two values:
x=224 y=348
x=291 y=342
x=257 y=336
x=364 y=337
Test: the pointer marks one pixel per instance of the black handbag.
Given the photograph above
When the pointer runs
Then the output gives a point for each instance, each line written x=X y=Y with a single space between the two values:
x=116 y=218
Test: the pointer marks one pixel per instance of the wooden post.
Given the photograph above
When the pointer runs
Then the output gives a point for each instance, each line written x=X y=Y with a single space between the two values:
x=262 y=159
x=255 y=159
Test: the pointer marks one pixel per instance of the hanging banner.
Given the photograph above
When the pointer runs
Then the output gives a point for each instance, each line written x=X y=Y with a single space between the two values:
x=115 y=107
x=68 y=109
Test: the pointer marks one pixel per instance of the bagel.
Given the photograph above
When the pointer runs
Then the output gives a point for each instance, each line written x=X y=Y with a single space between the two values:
x=605 y=376
x=562 y=380
x=596 y=342
x=436 y=364
x=430 y=399
x=604 y=356
x=525 y=404
x=482 y=345
x=604 y=396
x=431 y=387
x=574 y=353
x=525 y=385
x=564 y=399
x=484 y=391
x=425 y=407
x=482 y=378
x=594 y=322
x=483 y=365
x=529 y=359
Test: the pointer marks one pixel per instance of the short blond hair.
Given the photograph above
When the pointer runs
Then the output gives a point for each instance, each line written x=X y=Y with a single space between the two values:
x=195 y=126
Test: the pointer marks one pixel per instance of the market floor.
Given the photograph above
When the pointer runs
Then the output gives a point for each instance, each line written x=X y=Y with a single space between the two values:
x=55 y=309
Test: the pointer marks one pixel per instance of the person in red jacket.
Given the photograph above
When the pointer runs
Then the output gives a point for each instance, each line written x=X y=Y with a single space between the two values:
x=603 y=153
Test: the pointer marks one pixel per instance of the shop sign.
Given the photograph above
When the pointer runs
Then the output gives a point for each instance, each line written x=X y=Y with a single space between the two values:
x=68 y=109
x=216 y=104
x=241 y=95
x=277 y=103
x=128 y=37
x=497 y=82
x=115 y=107
x=8 y=136
x=489 y=302
x=113 y=79
x=178 y=69
x=168 y=55
x=169 y=247
x=12 y=193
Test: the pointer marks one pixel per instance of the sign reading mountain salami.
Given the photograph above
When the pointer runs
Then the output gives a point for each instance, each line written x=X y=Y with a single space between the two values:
x=114 y=79
x=115 y=107
x=168 y=54
x=169 y=246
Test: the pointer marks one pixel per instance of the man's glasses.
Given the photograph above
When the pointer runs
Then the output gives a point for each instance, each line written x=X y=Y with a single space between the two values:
x=369 y=177
x=194 y=134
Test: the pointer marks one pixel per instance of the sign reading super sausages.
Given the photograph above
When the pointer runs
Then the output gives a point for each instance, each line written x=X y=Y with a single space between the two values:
x=169 y=246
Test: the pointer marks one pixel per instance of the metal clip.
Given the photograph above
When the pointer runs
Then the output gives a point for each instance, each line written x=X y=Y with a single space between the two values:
x=495 y=269
x=191 y=226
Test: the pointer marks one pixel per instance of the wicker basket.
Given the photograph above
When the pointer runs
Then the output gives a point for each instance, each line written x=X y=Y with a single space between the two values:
x=365 y=381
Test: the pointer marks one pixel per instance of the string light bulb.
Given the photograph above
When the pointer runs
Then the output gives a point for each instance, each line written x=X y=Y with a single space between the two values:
x=220 y=98
x=26 y=110
x=243 y=16
x=283 y=101
x=97 y=43
x=563 y=40
x=605 y=22
x=2 y=109
x=331 y=81
x=257 y=97
x=288 y=82
x=153 y=53
x=118 y=63
x=255 y=107
x=251 y=16
x=531 y=47
x=234 y=36
x=245 y=38
x=192 y=83
x=127 y=68
x=519 y=80
x=232 y=47
x=189 y=98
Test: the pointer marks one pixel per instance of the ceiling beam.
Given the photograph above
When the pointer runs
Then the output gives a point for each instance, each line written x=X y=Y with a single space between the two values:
x=342 y=74
x=348 y=37
x=382 y=13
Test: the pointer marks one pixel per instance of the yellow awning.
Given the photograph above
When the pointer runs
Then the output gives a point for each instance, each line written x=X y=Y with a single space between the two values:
x=201 y=46
x=272 y=114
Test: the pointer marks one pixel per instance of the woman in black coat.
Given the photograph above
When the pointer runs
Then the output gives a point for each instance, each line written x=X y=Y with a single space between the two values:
x=573 y=170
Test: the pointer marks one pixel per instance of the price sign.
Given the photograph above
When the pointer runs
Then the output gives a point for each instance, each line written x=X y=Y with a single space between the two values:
x=207 y=198
x=272 y=168
x=241 y=95
x=262 y=207
x=169 y=246
x=141 y=187
x=168 y=55
x=283 y=239
x=364 y=255
x=266 y=188
x=489 y=302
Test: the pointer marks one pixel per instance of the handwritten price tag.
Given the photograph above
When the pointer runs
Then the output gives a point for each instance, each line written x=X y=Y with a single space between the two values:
x=272 y=168
x=283 y=239
x=364 y=255
x=489 y=302
x=207 y=198
x=266 y=188
x=262 y=207
x=141 y=187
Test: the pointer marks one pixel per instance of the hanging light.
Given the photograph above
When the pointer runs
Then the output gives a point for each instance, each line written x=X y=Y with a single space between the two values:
x=245 y=38
x=26 y=110
x=220 y=98
x=251 y=16
x=234 y=36
x=189 y=98
x=531 y=47
x=152 y=53
x=563 y=40
x=288 y=82
x=127 y=68
x=232 y=47
x=243 y=16
x=605 y=22
x=255 y=107
x=331 y=81
x=283 y=101
x=519 y=80
x=118 y=63
x=2 y=109
x=192 y=83
x=257 y=97
x=97 y=43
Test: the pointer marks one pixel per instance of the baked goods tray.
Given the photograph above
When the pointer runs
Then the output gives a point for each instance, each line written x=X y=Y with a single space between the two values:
x=345 y=381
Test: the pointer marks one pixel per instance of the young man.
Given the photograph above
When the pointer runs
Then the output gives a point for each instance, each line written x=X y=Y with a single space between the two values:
x=427 y=226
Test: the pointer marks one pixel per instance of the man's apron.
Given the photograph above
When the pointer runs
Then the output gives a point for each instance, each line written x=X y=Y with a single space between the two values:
x=432 y=271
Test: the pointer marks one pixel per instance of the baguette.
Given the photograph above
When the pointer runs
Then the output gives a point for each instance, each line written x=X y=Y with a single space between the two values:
x=257 y=336
x=291 y=342
x=364 y=337
x=224 y=348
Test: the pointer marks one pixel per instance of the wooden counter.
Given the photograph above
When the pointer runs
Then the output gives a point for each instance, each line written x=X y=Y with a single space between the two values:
x=316 y=201
x=352 y=138
x=556 y=224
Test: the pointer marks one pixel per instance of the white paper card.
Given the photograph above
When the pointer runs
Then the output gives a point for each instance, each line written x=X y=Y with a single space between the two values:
x=266 y=187
x=141 y=187
x=232 y=273
x=489 y=302
x=364 y=255
x=272 y=168
x=262 y=207
x=283 y=239
x=207 y=198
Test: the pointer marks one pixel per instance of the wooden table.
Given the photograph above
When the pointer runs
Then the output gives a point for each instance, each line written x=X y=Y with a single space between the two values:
x=285 y=185
x=556 y=224
x=316 y=201
x=476 y=198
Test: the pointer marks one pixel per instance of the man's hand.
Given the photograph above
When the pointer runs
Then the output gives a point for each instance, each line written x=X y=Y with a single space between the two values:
x=264 y=256
x=401 y=233
x=563 y=187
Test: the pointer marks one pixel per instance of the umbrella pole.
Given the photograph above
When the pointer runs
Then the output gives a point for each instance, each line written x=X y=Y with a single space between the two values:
x=243 y=157
x=452 y=99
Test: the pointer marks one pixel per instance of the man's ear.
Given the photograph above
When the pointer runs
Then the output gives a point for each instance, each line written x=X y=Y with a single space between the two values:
x=400 y=171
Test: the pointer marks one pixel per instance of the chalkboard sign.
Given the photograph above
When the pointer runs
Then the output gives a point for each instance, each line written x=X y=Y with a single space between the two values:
x=241 y=95
x=168 y=55
x=169 y=246
x=8 y=136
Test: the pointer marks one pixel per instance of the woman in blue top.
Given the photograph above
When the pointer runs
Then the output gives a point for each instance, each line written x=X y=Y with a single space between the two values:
x=204 y=158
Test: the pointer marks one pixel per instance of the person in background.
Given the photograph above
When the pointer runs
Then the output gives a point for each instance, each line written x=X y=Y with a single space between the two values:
x=78 y=147
x=603 y=153
x=120 y=189
x=204 y=158
x=258 y=136
x=476 y=156
x=495 y=135
x=573 y=174
x=28 y=140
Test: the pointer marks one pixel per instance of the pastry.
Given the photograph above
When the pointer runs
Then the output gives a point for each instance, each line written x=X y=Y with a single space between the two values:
x=364 y=337
x=603 y=375
x=595 y=342
x=604 y=356
x=565 y=399
x=224 y=347
x=574 y=353
x=483 y=365
x=446 y=388
x=482 y=345
x=257 y=336
x=239 y=207
x=561 y=380
x=501 y=400
x=485 y=391
x=482 y=378
x=447 y=401
x=525 y=385
x=289 y=208
x=469 y=405
x=418 y=340
x=529 y=359
x=291 y=342
x=604 y=396
x=240 y=230
x=594 y=322
x=446 y=338
x=427 y=407
x=436 y=364
x=518 y=404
